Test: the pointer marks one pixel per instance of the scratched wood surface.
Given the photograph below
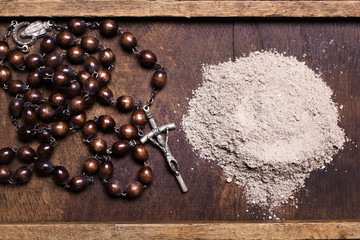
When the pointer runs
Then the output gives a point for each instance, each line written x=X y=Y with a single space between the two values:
x=329 y=47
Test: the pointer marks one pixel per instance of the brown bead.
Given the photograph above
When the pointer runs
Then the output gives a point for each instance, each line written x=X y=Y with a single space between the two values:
x=134 y=190
x=82 y=76
x=105 y=123
x=29 y=116
x=108 y=28
x=6 y=155
x=34 y=78
x=106 y=170
x=77 y=121
x=98 y=145
x=90 y=44
x=75 y=54
x=43 y=167
x=45 y=112
x=120 y=148
x=53 y=59
x=33 y=61
x=16 y=87
x=78 y=183
x=76 y=105
x=44 y=151
x=91 y=64
x=44 y=135
x=91 y=86
x=66 y=69
x=24 y=133
x=46 y=74
x=4 y=50
x=61 y=79
x=60 y=114
x=61 y=175
x=139 y=153
x=16 y=58
x=158 y=79
x=76 y=26
x=91 y=166
x=138 y=117
x=145 y=175
x=26 y=154
x=16 y=107
x=90 y=101
x=48 y=44
x=128 y=132
x=89 y=129
x=33 y=96
x=5 y=174
x=128 y=41
x=113 y=188
x=107 y=57
x=65 y=39
x=22 y=174
x=147 y=58
x=104 y=76
x=59 y=129
x=125 y=103
x=57 y=99
x=105 y=95
x=5 y=74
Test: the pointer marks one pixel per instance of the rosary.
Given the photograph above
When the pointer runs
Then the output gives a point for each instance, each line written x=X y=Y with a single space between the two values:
x=50 y=119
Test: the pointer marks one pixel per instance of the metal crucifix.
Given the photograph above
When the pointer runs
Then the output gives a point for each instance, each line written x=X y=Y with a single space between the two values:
x=163 y=144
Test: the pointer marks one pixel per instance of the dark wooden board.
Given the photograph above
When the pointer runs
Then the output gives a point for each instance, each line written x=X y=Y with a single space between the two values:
x=182 y=46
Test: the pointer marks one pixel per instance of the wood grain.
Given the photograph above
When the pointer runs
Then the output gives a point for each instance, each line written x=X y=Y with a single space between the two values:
x=179 y=8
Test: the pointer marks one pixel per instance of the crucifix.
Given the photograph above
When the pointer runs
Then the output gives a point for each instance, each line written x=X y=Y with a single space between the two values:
x=162 y=143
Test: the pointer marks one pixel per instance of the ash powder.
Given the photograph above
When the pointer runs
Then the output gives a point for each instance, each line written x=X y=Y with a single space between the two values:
x=268 y=120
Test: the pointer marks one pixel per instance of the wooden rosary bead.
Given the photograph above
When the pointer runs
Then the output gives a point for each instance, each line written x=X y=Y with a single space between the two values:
x=91 y=166
x=128 y=41
x=22 y=174
x=77 y=26
x=75 y=54
x=26 y=154
x=105 y=123
x=139 y=153
x=106 y=170
x=16 y=58
x=59 y=129
x=125 y=103
x=76 y=105
x=113 y=188
x=65 y=39
x=45 y=112
x=107 y=57
x=147 y=58
x=138 y=117
x=16 y=107
x=90 y=101
x=44 y=151
x=158 y=79
x=34 y=78
x=57 y=99
x=60 y=114
x=43 y=168
x=82 y=76
x=90 y=44
x=98 y=145
x=61 y=175
x=108 y=28
x=4 y=50
x=44 y=135
x=33 y=96
x=91 y=64
x=77 y=121
x=53 y=59
x=145 y=175
x=33 y=61
x=120 y=148
x=105 y=95
x=24 y=133
x=134 y=190
x=46 y=74
x=128 y=132
x=91 y=86
x=5 y=74
x=104 y=76
x=6 y=155
x=48 y=44
x=66 y=69
x=61 y=79
x=29 y=116
x=89 y=129
x=16 y=87
x=78 y=183
x=5 y=174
